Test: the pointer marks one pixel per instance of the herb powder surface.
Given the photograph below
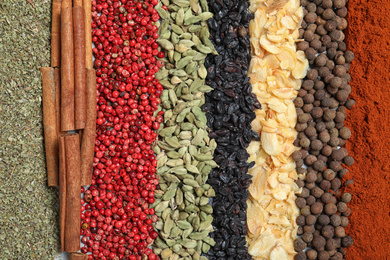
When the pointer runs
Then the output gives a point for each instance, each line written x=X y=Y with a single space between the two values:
x=28 y=208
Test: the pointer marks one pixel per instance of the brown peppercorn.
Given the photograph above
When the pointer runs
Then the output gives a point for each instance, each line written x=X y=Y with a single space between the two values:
x=327 y=231
x=328 y=14
x=342 y=207
x=304 y=193
x=321 y=60
x=342 y=24
x=308 y=99
x=304 y=118
x=331 y=244
x=313 y=73
x=316 y=208
x=327 y=150
x=310 y=131
x=330 y=208
x=325 y=39
x=339 y=71
x=300 y=182
x=299 y=244
x=345 y=133
x=319 y=242
x=300 y=202
x=310 y=159
x=342 y=12
x=329 y=125
x=335 y=184
x=300 y=220
x=337 y=256
x=311 y=220
x=349 y=56
x=328 y=174
x=317 y=191
x=335 y=220
x=340 y=117
x=309 y=229
x=339 y=231
x=319 y=165
x=307 y=108
x=339 y=3
x=324 y=71
x=320 y=10
x=327 y=4
x=323 y=220
x=300 y=256
x=311 y=176
x=304 y=3
x=310 y=200
x=329 y=115
x=347 y=241
x=305 y=211
x=346 y=197
x=300 y=231
x=348 y=160
x=342 y=46
x=311 y=7
x=316 y=145
x=312 y=27
x=337 y=36
x=325 y=185
x=321 y=31
x=344 y=221
x=342 y=95
x=311 y=254
x=324 y=136
x=311 y=17
x=334 y=141
x=310 y=55
x=323 y=255
x=335 y=82
x=301 y=46
x=330 y=25
x=298 y=102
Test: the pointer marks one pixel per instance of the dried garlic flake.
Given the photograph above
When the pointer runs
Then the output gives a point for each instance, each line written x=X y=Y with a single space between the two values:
x=276 y=71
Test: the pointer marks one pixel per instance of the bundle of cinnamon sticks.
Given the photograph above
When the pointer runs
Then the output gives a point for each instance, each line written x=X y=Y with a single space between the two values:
x=69 y=104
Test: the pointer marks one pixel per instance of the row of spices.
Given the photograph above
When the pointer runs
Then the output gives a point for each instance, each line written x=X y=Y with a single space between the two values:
x=68 y=92
x=179 y=127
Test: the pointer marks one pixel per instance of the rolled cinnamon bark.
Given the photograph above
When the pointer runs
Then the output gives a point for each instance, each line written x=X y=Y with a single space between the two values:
x=66 y=3
x=55 y=34
x=78 y=256
x=79 y=66
x=57 y=82
x=73 y=194
x=62 y=182
x=77 y=3
x=67 y=70
x=88 y=33
x=88 y=137
x=50 y=124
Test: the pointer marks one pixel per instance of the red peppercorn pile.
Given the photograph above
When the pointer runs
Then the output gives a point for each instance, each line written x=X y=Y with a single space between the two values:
x=116 y=219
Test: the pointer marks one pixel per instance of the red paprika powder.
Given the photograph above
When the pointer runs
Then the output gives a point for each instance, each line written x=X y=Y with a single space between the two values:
x=368 y=36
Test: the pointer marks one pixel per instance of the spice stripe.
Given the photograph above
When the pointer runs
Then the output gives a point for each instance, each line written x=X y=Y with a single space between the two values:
x=276 y=69
x=229 y=108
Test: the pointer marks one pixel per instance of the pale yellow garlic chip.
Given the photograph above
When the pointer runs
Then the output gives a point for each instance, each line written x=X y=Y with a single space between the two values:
x=276 y=70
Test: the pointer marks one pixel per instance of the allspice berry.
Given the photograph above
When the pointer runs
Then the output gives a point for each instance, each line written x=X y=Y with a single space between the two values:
x=316 y=208
x=330 y=209
x=346 y=197
x=319 y=242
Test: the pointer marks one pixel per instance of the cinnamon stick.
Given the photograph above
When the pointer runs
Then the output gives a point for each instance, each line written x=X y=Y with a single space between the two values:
x=78 y=256
x=88 y=33
x=73 y=198
x=79 y=66
x=55 y=34
x=66 y=3
x=62 y=181
x=77 y=3
x=57 y=82
x=67 y=70
x=50 y=124
x=88 y=137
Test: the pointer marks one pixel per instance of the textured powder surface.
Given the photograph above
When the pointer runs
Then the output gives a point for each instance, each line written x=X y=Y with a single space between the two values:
x=369 y=120
x=28 y=208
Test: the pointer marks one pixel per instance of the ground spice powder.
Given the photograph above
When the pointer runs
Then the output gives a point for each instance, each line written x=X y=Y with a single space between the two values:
x=368 y=37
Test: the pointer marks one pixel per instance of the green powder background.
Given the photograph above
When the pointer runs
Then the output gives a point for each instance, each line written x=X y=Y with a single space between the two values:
x=28 y=208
